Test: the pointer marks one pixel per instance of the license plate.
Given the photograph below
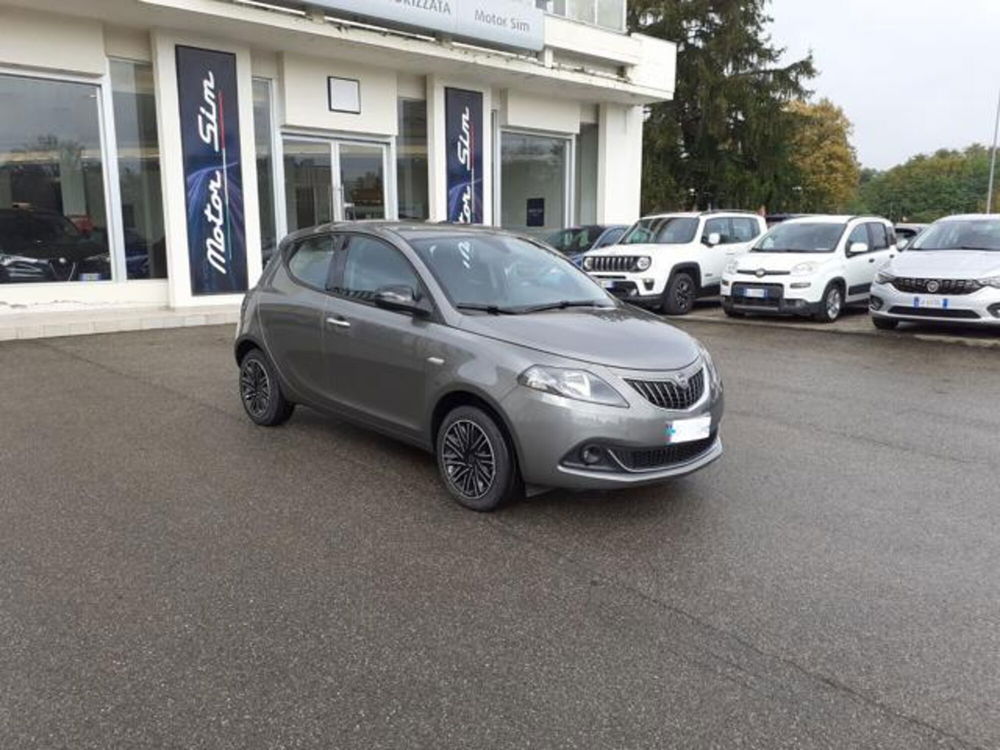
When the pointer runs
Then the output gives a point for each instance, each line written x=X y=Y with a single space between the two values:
x=755 y=293
x=90 y=277
x=689 y=430
x=939 y=303
x=607 y=284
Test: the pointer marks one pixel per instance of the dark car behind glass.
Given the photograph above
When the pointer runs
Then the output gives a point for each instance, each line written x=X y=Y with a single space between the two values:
x=38 y=245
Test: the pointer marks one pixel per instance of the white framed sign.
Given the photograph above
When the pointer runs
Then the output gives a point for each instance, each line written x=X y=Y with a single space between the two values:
x=344 y=95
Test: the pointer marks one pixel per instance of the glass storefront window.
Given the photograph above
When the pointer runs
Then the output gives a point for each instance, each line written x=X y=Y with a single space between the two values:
x=263 y=136
x=139 y=169
x=609 y=14
x=363 y=181
x=586 y=174
x=53 y=218
x=308 y=184
x=411 y=160
x=533 y=182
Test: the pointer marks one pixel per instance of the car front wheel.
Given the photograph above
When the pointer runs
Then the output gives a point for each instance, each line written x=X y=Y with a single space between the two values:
x=831 y=305
x=476 y=462
x=680 y=294
x=260 y=391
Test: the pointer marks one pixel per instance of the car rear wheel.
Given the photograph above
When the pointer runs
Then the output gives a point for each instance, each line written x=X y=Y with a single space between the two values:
x=680 y=294
x=832 y=304
x=476 y=462
x=260 y=391
x=884 y=324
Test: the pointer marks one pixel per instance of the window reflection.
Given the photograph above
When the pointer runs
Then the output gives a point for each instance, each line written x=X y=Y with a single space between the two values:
x=139 y=169
x=53 y=219
x=263 y=134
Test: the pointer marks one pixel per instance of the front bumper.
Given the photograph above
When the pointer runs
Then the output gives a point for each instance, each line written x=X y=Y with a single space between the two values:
x=635 y=288
x=780 y=299
x=550 y=432
x=979 y=308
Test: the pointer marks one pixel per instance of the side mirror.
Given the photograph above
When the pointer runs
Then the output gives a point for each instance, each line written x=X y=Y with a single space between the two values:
x=857 y=248
x=713 y=239
x=901 y=245
x=400 y=299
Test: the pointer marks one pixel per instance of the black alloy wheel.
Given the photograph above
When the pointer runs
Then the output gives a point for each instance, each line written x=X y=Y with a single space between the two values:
x=680 y=295
x=476 y=462
x=260 y=392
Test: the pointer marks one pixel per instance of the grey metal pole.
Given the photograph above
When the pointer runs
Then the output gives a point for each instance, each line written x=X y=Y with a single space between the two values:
x=993 y=161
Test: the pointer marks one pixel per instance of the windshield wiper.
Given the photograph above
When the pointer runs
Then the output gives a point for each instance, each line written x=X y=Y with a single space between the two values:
x=970 y=247
x=491 y=309
x=561 y=305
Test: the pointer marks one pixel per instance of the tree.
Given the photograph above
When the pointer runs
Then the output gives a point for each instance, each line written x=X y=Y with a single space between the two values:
x=926 y=188
x=725 y=140
x=824 y=158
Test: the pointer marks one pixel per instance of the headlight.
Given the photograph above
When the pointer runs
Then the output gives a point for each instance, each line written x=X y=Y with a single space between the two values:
x=732 y=267
x=588 y=264
x=884 y=277
x=643 y=263
x=714 y=379
x=579 y=385
x=804 y=269
x=993 y=281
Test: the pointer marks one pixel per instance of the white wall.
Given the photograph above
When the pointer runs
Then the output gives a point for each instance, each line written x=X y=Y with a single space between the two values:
x=306 y=99
x=619 y=173
x=54 y=42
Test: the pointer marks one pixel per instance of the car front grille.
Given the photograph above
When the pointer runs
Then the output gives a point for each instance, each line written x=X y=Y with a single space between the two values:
x=652 y=459
x=612 y=263
x=669 y=394
x=932 y=312
x=950 y=287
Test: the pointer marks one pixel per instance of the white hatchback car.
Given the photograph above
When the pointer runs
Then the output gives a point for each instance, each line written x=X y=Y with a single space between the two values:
x=668 y=261
x=810 y=266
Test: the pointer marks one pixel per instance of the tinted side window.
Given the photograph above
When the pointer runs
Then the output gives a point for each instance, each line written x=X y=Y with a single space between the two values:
x=745 y=230
x=372 y=265
x=880 y=238
x=310 y=261
x=721 y=227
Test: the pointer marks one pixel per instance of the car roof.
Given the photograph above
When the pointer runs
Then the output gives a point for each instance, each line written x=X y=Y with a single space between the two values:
x=834 y=219
x=971 y=217
x=699 y=214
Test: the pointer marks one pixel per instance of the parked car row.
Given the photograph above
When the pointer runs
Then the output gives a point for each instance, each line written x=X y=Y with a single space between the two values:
x=810 y=266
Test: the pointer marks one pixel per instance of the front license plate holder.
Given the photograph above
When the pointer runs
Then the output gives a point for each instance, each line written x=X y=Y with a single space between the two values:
x=936 y=303
x=755 y=293
x=689 y=430
x=608 y=283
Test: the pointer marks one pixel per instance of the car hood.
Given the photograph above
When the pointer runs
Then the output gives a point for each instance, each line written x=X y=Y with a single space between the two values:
x=619 y=337
x=779 y=261
x=946 y=264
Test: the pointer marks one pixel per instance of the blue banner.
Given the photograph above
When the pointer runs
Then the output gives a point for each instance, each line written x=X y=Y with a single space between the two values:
x=464 y=133
x=213 y=176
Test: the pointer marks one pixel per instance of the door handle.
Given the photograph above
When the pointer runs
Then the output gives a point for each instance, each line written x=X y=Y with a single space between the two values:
x=339 y=322
x=871 y=260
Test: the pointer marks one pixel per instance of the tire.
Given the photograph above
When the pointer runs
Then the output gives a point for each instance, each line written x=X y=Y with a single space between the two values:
x=680 y=294
x=260 y=392
x=832 y=303
x=469 y=434
x=885 y=324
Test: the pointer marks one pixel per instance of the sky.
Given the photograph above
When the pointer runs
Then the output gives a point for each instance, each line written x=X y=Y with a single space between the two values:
x=912 y=75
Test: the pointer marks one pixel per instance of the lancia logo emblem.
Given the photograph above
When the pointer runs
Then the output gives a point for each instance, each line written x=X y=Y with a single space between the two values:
x=933 y=286
x=761 y=273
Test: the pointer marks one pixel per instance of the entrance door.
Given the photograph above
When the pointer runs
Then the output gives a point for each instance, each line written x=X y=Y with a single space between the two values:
x=334 y=181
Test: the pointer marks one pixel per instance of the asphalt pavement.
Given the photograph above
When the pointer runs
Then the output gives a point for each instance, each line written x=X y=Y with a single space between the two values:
x=171 y=576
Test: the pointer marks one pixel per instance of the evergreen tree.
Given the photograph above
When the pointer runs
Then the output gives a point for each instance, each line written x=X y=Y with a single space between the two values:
x=726 y=139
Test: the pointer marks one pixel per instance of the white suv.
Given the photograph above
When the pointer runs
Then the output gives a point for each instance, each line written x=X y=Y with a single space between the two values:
x=667 y=261
x=814 y=265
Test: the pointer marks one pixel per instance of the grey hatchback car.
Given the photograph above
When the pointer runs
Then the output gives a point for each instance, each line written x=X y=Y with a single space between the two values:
x=490 y=350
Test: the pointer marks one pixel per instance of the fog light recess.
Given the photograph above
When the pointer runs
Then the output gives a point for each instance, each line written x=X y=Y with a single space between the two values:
x=592 y=455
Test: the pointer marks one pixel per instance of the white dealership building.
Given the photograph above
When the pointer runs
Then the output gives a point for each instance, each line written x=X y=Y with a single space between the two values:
x=153 y=152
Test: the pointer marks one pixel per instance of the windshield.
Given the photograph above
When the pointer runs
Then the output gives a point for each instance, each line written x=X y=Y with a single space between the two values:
x=498 y=273
x=961 y=234
x=801 y=238
x=662 y=230
x=574 y=240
